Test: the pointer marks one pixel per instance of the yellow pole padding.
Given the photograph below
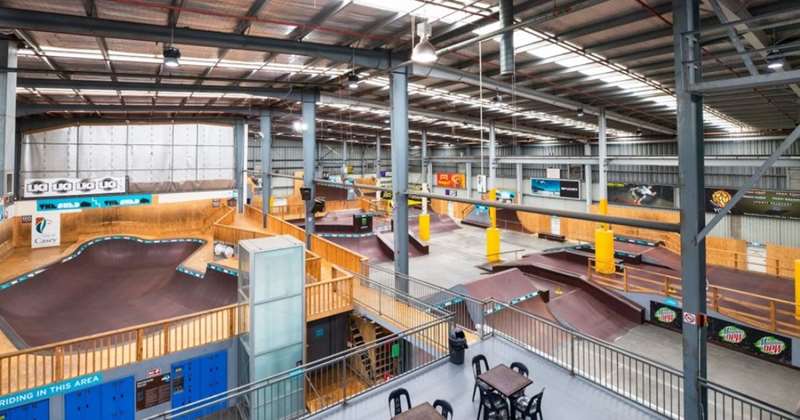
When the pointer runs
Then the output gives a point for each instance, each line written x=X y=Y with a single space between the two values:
x=425 y=226
x=797 y=289
x=604 y=251
x=493 y=244
x=271 y=202
x=492 y=210
x=603 y=208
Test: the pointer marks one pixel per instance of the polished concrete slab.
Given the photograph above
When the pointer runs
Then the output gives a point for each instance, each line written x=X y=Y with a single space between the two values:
x=565 y=396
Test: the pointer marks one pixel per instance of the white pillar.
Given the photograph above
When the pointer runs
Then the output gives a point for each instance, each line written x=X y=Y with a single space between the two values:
x=8 y=113
x=587 y=169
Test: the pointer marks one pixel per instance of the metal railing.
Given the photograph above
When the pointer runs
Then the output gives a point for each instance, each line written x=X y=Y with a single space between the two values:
x=725 y=403
x=467 y=311
x=320 y=385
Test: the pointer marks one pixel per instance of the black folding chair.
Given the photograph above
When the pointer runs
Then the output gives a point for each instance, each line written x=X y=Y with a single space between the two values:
x=396 y=401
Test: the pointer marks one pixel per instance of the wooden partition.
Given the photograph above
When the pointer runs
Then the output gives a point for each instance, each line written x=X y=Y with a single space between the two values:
x=6 y=237
x=439 y=206
x=156 y=220
x=780 y=260
x=534 y=223
x=339 y=255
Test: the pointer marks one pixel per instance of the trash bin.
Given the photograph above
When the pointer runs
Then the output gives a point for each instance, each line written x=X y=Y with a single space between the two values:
x=458 y=343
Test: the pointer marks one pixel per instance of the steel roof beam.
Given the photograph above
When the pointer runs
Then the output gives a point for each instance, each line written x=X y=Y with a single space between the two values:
x=83 y=25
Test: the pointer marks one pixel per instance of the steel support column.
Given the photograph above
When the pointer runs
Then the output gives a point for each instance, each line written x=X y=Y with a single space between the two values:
x=266 y=164
x=519 y=183
x=468 y=175
x=423 y=158
x=587 y=173
x=602 y=155
x=309 y=128
x=686 y=17
x=492 y=157
x=240 y=148
x=378 y=156
x=344 y=159
x=8 y=103
x=399 y=131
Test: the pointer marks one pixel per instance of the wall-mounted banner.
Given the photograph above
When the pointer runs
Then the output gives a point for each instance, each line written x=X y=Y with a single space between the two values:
x=778 y=204
x=48 y=391
x=451 y=180
x=733 y=335
x=564 y=188
x=642 y=195
x=46 y=230
x=65 y=187
x=77 y=203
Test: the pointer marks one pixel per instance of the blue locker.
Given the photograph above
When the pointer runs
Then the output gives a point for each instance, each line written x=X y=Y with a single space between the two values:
x=111 y=400
x=198 y=378
x=39 y=410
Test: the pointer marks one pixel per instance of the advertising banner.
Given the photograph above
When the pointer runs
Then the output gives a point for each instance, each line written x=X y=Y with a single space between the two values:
x=563 y=188
x=764 y=345
x=70 y=187
x=451 y=180
x=46 y=230
x=77 y=203
x=641 y=195
x=763 y=203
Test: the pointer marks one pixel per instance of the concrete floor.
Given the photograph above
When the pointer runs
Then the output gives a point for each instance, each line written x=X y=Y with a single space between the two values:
x=766 y=381
x=455 y=255
x=565 y=397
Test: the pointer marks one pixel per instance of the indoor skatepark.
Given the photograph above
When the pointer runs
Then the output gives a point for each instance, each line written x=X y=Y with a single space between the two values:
x=256 y=209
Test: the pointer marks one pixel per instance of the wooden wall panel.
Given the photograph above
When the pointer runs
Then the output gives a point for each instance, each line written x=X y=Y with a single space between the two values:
x=534 y=223
x=6 y=237
x=780 y=260
x=726 y=252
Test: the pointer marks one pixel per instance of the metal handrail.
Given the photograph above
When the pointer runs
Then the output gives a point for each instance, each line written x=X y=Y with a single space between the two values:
x=318 y=364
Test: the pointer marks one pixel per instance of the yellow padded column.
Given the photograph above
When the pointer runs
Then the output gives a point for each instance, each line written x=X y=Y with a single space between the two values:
x=424 y=226
x=604 y=250
x=797 y=289
x=492 y=232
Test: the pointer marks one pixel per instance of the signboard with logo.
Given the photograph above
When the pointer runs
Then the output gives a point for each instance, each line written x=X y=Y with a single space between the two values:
x=451 y=180
x=153 y=391
x=77 y=203
x=66 y=187
x=641 y=195
x=763 y=203
x=563 y=188
x=46 y=230
x=764 y=345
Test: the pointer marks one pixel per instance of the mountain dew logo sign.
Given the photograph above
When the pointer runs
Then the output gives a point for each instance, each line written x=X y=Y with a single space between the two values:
x=665 y=315
x=732 y=334
x=770 y=345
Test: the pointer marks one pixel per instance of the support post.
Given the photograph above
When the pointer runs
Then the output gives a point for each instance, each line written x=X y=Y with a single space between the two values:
x=378 y=164
x=430 y=175
x=602 y=155
x=492 y=157
x=240 y=146
x=266 y=165
x=344 y=160
x=587 y=172
x=519 y=183
x=686 y=18
x=8 y=111
x=399 y=131
x=797 y=289
x=492 y=232
x=468 y=175
x=309 y=156
x=423 y=157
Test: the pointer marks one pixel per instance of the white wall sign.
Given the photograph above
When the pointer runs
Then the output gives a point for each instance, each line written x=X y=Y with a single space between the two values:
x=65 y=187
x=46 y=230
x=553 y=173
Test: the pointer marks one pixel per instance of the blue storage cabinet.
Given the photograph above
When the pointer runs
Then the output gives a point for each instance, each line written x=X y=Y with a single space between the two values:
x=40 y=410
x=111 y=400
x=198 y=378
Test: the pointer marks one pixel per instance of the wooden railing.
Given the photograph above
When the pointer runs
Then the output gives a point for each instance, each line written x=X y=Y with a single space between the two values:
x=331 y=297
x=765 y=312
x=339 y=255
x=28 y=368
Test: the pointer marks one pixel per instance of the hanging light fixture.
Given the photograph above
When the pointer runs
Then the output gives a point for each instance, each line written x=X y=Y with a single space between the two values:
x=424 y=52
x=172 y=56
x=352 y=81
x=775 y=60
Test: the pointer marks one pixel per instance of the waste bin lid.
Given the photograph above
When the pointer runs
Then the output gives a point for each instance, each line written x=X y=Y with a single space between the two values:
x=457 y=333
